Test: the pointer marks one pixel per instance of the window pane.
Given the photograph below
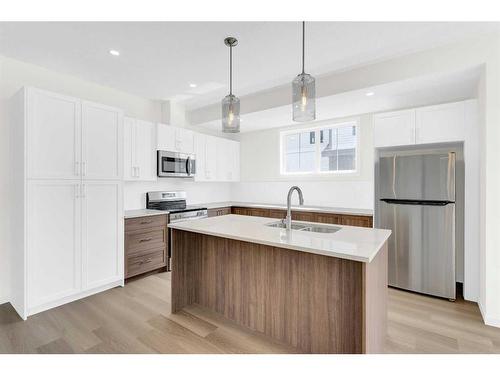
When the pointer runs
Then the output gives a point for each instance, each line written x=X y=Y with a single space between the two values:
x=292 y=143
x=338 y=149
x=299 y=152
x=292 y=162
x=328 y=149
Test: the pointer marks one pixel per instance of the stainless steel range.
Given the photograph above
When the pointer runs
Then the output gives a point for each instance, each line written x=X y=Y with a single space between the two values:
x=174 y=202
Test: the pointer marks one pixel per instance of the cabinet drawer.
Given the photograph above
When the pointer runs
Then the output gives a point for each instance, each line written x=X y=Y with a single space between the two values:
x=145 y=222
x=145 y=239
x=145 y=262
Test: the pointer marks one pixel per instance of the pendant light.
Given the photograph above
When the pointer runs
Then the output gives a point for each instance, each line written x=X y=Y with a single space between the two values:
x=230 y=103
x=304 y=91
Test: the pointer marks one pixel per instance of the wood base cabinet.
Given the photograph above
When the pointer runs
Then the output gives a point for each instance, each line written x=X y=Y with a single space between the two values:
x=146 y=244
x=315 y=217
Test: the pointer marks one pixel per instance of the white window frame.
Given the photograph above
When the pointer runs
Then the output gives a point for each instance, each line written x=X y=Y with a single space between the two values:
x=317 y=165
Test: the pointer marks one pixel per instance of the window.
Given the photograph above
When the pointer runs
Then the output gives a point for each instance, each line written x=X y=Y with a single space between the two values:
x=320 y=150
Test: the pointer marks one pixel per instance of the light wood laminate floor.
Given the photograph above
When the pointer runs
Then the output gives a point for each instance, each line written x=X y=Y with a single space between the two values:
x=136 y=319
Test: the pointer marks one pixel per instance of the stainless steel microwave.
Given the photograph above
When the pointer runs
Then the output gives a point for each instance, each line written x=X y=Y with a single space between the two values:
x=176 y=164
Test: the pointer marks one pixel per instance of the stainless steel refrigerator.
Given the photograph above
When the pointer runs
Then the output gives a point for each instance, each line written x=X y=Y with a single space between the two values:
x=417 y=202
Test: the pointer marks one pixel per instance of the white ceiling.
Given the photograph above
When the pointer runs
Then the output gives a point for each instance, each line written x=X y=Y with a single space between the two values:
x=160 y=59
x=409 y=93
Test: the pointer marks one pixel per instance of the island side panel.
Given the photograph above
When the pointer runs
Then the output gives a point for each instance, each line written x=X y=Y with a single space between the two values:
x=312 y=302
x=375 y=281
x=185 y=261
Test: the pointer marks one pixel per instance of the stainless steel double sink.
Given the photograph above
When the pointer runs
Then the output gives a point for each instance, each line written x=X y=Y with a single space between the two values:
x=306 y=227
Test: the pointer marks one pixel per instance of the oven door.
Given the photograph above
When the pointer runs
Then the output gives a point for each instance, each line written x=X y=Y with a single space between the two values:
x=175 y=164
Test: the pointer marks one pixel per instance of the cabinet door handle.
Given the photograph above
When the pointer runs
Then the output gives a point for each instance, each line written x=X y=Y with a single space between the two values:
x=77 y=168
x=146 y=261
x=145 y=239
x=84 y=168
x=147 y=222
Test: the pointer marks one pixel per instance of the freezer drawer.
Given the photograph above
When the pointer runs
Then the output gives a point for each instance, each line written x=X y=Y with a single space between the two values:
x=421 y=247
x=418 y=177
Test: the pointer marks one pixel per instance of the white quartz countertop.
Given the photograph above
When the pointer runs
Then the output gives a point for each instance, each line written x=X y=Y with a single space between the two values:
x=326 y=209
x=354 y=243
x=130 y=214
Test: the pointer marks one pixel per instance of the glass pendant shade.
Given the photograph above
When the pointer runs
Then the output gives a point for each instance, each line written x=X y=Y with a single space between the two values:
x=304 y=98
x=230 y=114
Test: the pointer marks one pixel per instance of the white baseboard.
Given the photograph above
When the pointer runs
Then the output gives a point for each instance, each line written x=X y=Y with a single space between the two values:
x=4 y=299
x=51 y=305
x=488 y=320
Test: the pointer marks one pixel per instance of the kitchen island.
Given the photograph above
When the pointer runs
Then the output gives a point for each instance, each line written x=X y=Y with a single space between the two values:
x=319 y=292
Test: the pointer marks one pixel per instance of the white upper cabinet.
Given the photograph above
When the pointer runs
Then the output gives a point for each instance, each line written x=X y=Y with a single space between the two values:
x=217 y=159
x=433 y=124
x=211 y=158
x=394 y=128
x=102 y=233
x=139 y=150
x=200 y=145
x=145 y=150
x=223 y=160
x=206 y=157
x=227 y=156
x=129 y=159
x=54 y=135
x=172 y=138
x=235 y=172
x=440 y=123
x=186 y=141
x=166 y=137
x=102 y=142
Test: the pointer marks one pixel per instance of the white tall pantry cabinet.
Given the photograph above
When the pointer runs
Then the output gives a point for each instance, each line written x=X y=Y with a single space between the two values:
x=139 y=150
x=67 y=206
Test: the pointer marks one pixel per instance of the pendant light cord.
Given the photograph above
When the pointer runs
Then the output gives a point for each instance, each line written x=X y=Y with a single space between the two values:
x=303 y=45
x=230 y=70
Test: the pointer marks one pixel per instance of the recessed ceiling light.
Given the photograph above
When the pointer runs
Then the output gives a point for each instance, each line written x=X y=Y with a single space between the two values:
x=193 y=85
x=370 y=93
x=114 y=52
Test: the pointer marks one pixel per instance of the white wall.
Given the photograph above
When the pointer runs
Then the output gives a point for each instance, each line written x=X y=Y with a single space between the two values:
x=197 y=192
x=261 y=180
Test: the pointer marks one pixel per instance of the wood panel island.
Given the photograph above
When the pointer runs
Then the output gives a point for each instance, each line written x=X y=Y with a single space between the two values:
x=318 y=292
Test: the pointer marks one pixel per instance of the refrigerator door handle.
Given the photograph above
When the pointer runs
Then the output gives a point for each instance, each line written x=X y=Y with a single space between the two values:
x=415 y=202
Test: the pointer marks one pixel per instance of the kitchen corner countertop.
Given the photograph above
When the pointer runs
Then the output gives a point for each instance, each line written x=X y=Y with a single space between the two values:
x=130 y=214
x=354 y=243
x=325 y=209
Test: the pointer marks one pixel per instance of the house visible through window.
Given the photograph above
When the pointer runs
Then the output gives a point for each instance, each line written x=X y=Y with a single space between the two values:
x=335 y=150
